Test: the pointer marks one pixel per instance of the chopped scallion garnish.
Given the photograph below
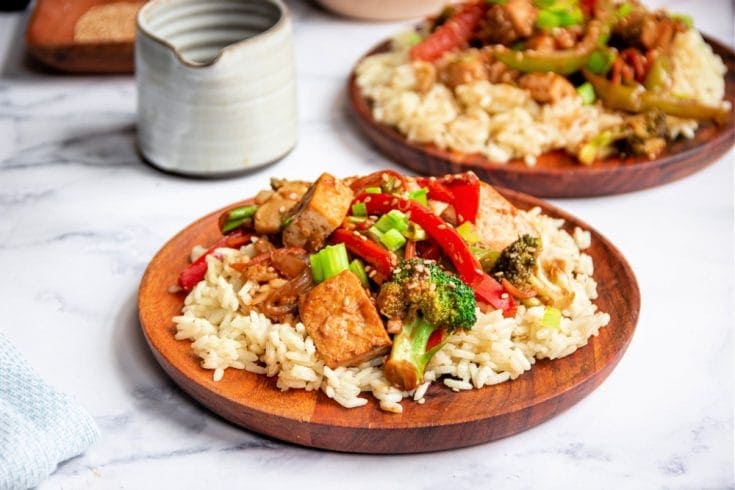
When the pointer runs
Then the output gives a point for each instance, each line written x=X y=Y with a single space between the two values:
x=375 y=233
x=685 y=19
x=551 y=318
x=359 y=209
x=392 y=239
x=485 y=256
x=468 y=233
x=600 y=62
x=547 y=20
x=373 y=190
x=625 y=9
x=414 y=232
x=392 y=220
x=358 y=268
x=328 y=262
x=587 y=93
x=419 y=196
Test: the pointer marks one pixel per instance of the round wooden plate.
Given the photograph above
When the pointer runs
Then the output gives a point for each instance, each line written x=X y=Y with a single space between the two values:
x=556 y=174
x=447 y=419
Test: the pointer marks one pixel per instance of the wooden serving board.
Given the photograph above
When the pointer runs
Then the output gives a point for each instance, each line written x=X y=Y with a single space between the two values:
x=447 y=420
x=84 y=36
x=556 y=174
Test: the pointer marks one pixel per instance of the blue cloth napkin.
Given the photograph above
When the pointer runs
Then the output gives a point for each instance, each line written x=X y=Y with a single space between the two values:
x=39 y=427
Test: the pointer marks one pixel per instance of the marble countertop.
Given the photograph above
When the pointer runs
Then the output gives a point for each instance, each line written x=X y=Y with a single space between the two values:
x=81 y=216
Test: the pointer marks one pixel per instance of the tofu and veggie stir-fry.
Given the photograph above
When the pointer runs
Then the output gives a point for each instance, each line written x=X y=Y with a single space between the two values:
x=513 y=79
x=384 y=283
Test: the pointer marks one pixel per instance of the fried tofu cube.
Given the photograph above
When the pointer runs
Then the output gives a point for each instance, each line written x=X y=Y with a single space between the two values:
x=498 y=222
x=320 y=212
x=277 y=205
x=343 y=322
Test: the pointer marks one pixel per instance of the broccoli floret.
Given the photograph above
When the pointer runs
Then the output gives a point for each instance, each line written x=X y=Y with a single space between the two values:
x=517 y=262
x=431 y=304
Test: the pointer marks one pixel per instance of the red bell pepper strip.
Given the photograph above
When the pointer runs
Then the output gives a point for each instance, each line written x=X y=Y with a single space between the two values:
x=461 y=191
x=195 y=272
x=455 y=32
x=376 y=179
x=381 y=259
x=437 y=190
x=486 y=288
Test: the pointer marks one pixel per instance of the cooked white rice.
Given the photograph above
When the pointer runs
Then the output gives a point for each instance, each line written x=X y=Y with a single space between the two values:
x=502 y=122
x=497 y=349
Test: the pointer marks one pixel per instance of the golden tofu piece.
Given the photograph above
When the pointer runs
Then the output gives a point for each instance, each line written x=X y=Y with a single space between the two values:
x=276 y=205
x=498 y=222
x=320 y=212
x=343 y=322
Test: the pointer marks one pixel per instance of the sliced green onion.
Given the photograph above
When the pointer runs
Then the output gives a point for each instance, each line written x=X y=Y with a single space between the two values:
x=685 y=19
x=547 y=20
x=587 y=93
x=624 y=10
x=375 y=233
x=358 y=268
x=544 y=4
x=373 y=190
x=570 y=17
x=414 y=232
x=392 y=220
x=287 y=221
x=485 y=256
x=392 y=239
x=419 y=196
x=410 y=38
x=356 y=219
x=317 y=273
x=359 y=209
x=551 y=318
x=600 y=62
x=237 y=216
x=328 y=262
x=468 y=232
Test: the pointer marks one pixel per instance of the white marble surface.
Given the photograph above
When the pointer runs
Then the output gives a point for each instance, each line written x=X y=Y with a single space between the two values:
x=80 y=216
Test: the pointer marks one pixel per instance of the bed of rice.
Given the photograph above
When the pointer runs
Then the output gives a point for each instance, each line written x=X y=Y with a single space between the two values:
x=497 y=349
x=503 y=122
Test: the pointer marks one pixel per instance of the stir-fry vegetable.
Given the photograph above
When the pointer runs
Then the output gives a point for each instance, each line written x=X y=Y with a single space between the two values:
x=430 y=304
x=635 y=98
x=195 y=272
x=567 y=61
x=487 y=289
x=451 y=34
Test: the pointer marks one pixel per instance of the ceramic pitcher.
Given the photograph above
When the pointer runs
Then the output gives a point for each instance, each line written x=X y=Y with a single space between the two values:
x=216 y=85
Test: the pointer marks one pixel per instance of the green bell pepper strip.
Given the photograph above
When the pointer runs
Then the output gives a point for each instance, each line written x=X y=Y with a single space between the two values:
x=566 y=61
x=636 y=99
